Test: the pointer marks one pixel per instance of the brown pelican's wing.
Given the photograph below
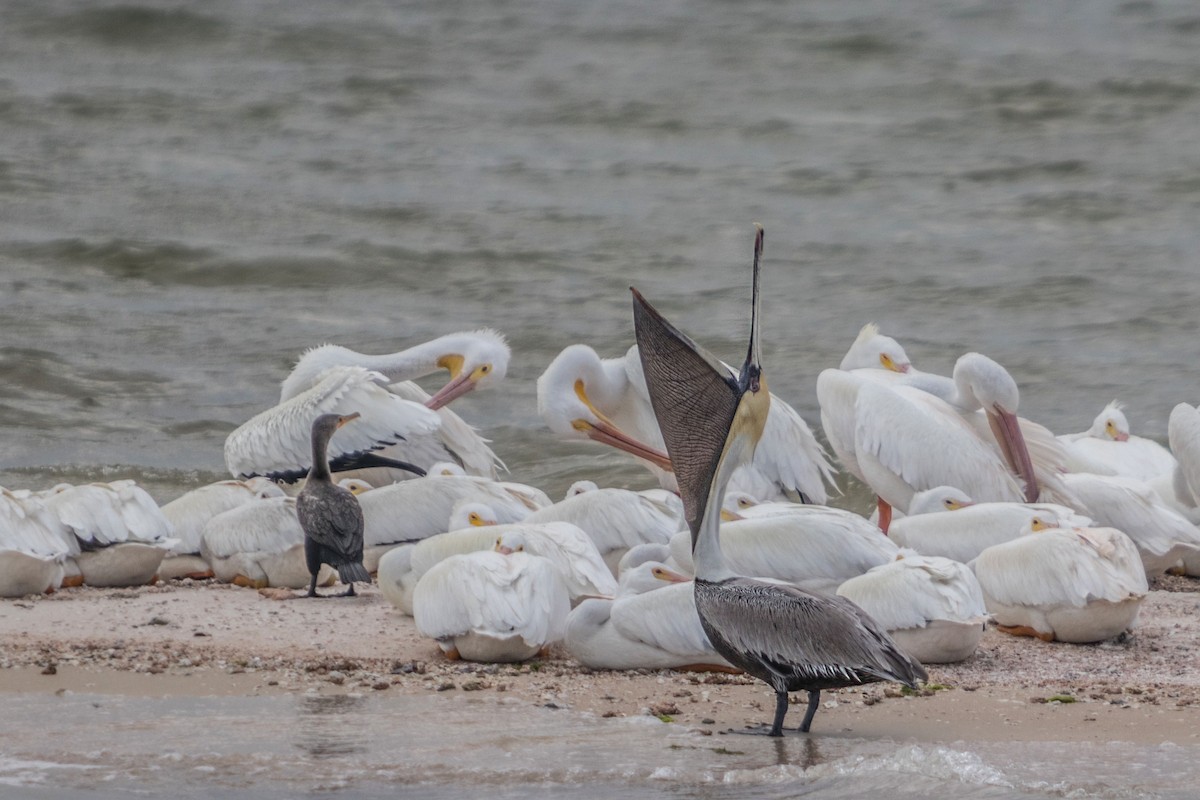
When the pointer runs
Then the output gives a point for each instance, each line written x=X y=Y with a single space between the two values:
x=694 y=398
x=805 y=636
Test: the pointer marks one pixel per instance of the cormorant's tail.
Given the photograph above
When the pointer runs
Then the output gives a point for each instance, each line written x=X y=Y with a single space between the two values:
x=349 y=573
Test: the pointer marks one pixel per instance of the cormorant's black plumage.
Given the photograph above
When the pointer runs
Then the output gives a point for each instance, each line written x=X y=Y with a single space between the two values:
x=330 y=515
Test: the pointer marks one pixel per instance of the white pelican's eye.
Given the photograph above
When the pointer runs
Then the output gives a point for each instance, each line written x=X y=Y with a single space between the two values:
x=949 y=504
x=1037 y=524
x=744 y=502
x=1110 y=428
x=521 y=549
x=474 y=518
x=886 y=361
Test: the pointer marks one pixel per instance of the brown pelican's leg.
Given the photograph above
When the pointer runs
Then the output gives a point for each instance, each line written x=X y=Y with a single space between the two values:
x=814 y=700
x=781 y=707
x=885 y=515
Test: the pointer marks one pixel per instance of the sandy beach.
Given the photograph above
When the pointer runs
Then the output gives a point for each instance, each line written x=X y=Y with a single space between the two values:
x=203 y=638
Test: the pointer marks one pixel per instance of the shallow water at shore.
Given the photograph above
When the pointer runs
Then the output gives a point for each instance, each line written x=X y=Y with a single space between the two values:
x=110 y=746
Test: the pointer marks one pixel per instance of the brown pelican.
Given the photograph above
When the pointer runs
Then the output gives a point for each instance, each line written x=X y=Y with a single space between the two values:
x=330 y=515
x=711 y=421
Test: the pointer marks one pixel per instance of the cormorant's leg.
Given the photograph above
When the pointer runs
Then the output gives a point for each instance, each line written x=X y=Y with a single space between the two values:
x=814 y=700
x=349 y=592
x=781 y=707
x=312 y=587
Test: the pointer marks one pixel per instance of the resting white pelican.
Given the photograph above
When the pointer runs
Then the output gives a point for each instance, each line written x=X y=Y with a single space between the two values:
x=259 y=544
x=1109 y=448
x=491 y=607
x=31 y=555
x=931 y=606
x=532 y=497
x=1073 y=585
x=972 y=527
x=650 y=624
x=277 y=443
x=419 y=508
x=189 y=513
x=615 y=519
x=816 y=548
x=581 y=396
x=712 y=421
x=115 y=533
x=1165 y=539
x=1183 y=490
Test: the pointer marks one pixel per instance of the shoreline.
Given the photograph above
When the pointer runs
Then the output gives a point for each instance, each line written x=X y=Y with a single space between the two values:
x=204 y=638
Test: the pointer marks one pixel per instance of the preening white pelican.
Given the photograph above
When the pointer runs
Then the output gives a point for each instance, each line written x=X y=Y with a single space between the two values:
x=1166 y=541
x=491 y=607
x=651 y=624
x=277 y=443
x=581 y=396
x=1109 y=448
x=615 y=519
x=1073 y=585
x=971 y=527
x=816 y=548
x=259 y=544
x=932 y=607
x=31 y=555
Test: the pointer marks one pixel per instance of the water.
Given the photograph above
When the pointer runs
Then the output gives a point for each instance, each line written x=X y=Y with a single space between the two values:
x=104 y=746
x=194 y=193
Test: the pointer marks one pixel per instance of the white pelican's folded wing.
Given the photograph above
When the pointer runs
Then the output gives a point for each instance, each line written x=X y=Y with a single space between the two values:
x=1183 y=431
x=614 y=518
x=916 y=590
x=664 y=618
x=260 y=526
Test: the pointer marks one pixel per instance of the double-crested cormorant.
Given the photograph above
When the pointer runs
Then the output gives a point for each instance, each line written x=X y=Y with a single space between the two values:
x=711 y=421
x=330 y=515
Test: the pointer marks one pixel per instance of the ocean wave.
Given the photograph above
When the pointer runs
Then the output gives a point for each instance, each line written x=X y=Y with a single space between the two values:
x=133 y=26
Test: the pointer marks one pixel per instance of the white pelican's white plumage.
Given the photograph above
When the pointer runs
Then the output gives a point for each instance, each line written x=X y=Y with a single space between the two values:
x=259 y=544
x=1108 y=447
x=1183 y=433
x=945 y=521
x=566 y=546
x=816 y=548
x=189 y=513
x=1073 y=585
x=650 y=624
x=31 y=555
x=1166 y=540
x=401 y=567
x=531 y=497
x=422 y=507
x=491 y=607
x=931 y=606
x=115 y=533
x=615 y=519
x=581 y=396
x=278 y=441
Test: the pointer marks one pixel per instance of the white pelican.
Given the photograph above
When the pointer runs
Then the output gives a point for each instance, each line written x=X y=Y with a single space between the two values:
x=972 y=527
x=31 y=555
x=788 y=638
x=1183 y=433
x=400 y=568
x=1109 y=448
x=115 y=533
x=651 y=624
x=1073 y=585
x=815 y=548
x=931 y=606
x=1165 y=539
x=277 y=442
x=259 y=544
x=189 y=513
x=491 y=607
x=532 y=497
x=419 y=508
x=615 y=519
x=475 y=360
x=581 y=396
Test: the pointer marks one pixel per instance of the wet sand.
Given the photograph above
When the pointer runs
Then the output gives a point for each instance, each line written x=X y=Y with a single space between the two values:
x=211 y=639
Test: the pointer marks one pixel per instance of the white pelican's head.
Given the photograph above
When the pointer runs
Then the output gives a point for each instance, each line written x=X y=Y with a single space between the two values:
x=735 y=503
x=1110 y=423
x=571 y=393
x=646 y=577
x=1041 y=522
x=983 y=383
x=641 y=553
x=873 y=350
x=581 y=487
x=442 y=469
x=471 y=514
x=939 y=498
x=510 y=542
x=474 y=360
x=355 y=486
